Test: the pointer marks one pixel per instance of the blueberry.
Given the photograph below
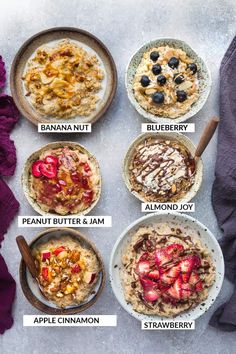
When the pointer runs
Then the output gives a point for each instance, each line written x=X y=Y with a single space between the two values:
x=158 y=97
x=181 y=95
x=178 y=79
x=161 y=79
x=154 y=56
x=156 y=69
x=192 y=67
x=173 y=62
x=145 y=81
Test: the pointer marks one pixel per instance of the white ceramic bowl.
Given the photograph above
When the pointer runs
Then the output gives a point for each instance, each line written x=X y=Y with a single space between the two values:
x=168 y=136
x=208 y=240
x=203 y=75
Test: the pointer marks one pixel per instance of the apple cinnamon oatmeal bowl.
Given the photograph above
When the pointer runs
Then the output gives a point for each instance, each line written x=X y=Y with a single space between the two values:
x=166 y=265
x=70 y=272
x=62 y=178
x=166 y=80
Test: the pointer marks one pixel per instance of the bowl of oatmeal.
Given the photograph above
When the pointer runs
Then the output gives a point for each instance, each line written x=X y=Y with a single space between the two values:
x=160 y=167
x=167 y=81
x=165 y=266
x=71 y=273
x=63 y=74
x=62 y=178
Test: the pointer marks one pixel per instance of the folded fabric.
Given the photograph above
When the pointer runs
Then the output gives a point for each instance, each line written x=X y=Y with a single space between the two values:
x=7 y=295
x=2 y=73
x=224 y=187
x=8 y=108
x=8 y=208
x=7 y=155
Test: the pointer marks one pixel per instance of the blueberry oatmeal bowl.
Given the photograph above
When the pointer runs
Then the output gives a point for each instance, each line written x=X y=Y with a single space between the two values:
x=167 y=81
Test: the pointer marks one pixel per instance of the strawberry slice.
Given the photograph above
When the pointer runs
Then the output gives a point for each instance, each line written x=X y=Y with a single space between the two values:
x=151 y=295
x=199 y=286
x=162 y=257
x=187 y=265
x=147 y=284
x=174 y=250
x=143 y=267
x=186 y=291
x=171 y=275
x=36 y=168
x=48 y=170
x=154 y=274
x=195 y=281
x=51 y=160
x=144 y=256
x=176 y=290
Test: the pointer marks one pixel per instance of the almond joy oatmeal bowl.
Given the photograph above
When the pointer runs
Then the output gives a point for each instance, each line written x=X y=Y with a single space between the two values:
x=62 y=178
x=167 y=81
x=166 y=265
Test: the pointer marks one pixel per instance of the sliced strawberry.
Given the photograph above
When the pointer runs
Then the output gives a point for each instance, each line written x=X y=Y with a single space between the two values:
x=36 y=168
x=48 y=170
x=147 y=283
x=174 y=250
x=186 y=291
x=199 y=286
x=176 y=290
x=171 y=275
x=87 y=167
x=187 y=265
x=51 y=160
x=144 y=256
x=143 y=267
x=194 y=278
x=161 y=257
x=151 y=295
x=154 y=274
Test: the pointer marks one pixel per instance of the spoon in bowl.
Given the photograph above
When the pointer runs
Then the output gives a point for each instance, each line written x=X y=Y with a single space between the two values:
x=206 y=136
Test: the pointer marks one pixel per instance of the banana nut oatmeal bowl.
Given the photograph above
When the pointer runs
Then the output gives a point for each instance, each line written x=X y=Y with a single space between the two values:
x=68 y=271
x=166 y=82
x=62 y=178
x=161 y=168
x=165 y=271
x=63 y=80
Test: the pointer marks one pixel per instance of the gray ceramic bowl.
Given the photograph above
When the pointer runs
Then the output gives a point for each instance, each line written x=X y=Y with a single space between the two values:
x=35 y=156
x=203 y=74
x=195 y=229
x=169 y=136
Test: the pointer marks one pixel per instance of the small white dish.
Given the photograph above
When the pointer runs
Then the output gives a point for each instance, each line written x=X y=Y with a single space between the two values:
x=204 y=77
x=208 y=240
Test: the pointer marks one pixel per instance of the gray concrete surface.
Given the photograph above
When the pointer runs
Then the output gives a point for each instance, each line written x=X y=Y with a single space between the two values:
x=208 y=26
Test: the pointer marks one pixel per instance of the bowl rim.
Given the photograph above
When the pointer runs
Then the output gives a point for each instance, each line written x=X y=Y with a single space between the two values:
x=35 y=302
x=25 y=177
x=30 y=40
x=129 y=229
x=159 y=119
x=176 y=136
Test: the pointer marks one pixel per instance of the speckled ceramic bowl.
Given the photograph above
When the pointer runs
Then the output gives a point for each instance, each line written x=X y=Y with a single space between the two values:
x=168 y=136
x=178 y=220
x=35 y=156
x=203 y=74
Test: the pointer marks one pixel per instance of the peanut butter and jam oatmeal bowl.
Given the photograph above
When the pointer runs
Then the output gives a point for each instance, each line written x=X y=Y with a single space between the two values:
x=166 y=265
x=70 y=269
x=167 y=81
x=161 y=168
x=62 y=178
x=63 y=75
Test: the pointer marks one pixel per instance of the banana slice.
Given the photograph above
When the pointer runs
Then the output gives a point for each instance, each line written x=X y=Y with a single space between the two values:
x=62 y=88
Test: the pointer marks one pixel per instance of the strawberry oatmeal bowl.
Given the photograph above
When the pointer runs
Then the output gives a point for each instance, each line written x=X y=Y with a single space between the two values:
x=62 y=178
x=165 y=266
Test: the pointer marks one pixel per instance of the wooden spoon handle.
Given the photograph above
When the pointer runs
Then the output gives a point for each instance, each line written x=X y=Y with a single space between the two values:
x=206 y=136
x=26 y=255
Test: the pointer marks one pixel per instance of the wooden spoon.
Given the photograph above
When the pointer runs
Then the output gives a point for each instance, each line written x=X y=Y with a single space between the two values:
x=206 y=136
x=27 y=256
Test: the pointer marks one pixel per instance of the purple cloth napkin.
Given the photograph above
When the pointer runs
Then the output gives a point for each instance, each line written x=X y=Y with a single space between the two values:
x=9 y=115
x=7 y=295
x=224 y=187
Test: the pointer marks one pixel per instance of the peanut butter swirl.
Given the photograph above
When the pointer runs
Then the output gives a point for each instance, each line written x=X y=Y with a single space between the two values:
x=160 y=170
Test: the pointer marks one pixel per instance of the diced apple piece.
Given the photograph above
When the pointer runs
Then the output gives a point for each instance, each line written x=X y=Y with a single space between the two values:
x=46 y=255
x=89 y=277
x=62 y=255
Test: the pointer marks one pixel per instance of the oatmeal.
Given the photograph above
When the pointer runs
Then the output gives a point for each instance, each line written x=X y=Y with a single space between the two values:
x=161 y=170
x=68 y=272
x=63 y=80
x=65 y=180
x=166 y=82
x=166 y=271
